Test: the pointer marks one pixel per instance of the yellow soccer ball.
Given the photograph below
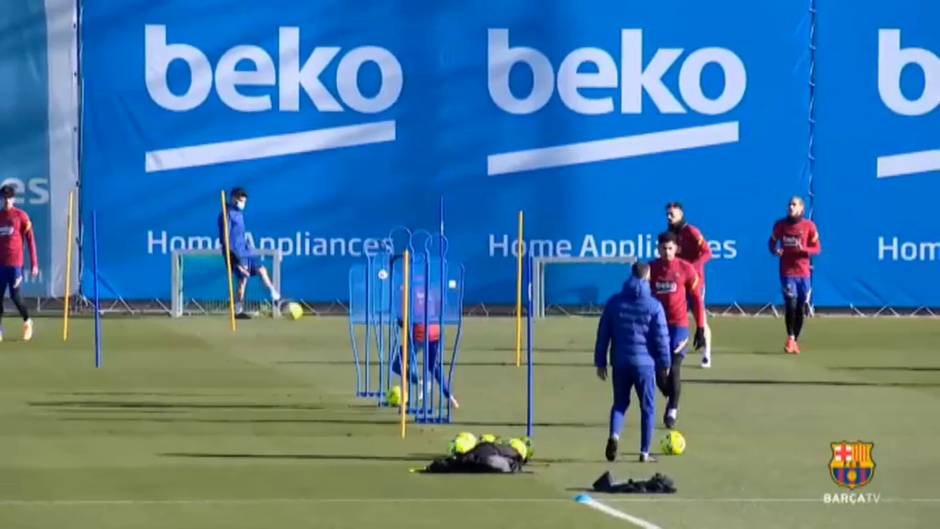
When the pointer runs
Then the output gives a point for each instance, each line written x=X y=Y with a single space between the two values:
x=530 y=450
x=294 y=310
x=394 y=397
x=520 y=447
x=487 y=438
x=462 y=443
x=673 y=443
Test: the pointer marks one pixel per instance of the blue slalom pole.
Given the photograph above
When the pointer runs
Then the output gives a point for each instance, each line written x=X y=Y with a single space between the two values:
x=94 y=271
x=393 y=341
x=376 y=314
x=408 y=333
x=528 y=320
x=368 y=310
x=352 y=332
x=457 y=338
x=442 y=342
x=426 y=373
x=387 y=322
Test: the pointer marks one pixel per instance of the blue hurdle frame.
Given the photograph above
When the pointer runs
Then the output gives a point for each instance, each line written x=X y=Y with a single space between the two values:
x=380 y=322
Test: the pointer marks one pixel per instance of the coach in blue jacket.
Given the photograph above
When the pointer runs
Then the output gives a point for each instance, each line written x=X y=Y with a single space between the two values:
x=634 y=321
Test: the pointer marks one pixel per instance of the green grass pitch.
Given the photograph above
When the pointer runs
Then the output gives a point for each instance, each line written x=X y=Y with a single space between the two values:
x=190 y=426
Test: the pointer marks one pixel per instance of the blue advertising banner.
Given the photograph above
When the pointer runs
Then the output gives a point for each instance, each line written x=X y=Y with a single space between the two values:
x=38 y=131
x=878 y=155
x=24 y=138
x=345 y=121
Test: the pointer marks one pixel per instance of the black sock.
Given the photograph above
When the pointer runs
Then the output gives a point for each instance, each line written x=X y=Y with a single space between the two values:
x=15 y=296
x=790 y=309
x=798 y=320
x=675 y=382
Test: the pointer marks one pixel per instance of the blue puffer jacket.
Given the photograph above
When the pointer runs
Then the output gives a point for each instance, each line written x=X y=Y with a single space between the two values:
x=636 y=324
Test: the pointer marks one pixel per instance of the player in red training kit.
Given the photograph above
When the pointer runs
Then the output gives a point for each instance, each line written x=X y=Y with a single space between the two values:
x=693 y=248
x=14 y=227
x=675 y=281
x=795 y=240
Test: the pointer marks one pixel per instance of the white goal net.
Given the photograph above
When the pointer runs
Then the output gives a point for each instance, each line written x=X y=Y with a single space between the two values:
x=200 y=284
x=587 y=281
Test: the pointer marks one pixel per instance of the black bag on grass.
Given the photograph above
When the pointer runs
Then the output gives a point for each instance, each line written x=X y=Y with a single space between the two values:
x=658 y=484
x=484 y=458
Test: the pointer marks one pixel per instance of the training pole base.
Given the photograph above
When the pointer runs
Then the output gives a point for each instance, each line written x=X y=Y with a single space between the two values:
x=433 y=419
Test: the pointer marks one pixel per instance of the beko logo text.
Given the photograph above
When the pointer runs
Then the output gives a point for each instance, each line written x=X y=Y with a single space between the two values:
x=633 y=78
x=892 y=59
x=291 y=77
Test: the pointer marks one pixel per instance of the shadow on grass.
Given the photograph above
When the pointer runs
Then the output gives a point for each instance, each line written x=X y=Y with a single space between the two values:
x=337 y=421
x=133 y=405
x=542 y=461
x=461 y=364
x=140 y=394
x=834 y=383
x=308 y=457
x=544 y=350
x=886 y=368
x=427 y=458
x=117 y=410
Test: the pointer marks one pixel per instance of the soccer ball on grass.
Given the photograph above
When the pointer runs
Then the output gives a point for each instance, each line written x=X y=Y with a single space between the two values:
x=462 y=443
x=294 y=310
x=673 y=443
x=393 y=398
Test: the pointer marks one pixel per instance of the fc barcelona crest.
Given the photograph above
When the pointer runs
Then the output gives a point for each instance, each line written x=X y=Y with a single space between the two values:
x=851 y=465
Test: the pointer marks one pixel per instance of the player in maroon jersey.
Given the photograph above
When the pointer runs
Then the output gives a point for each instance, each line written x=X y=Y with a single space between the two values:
x=795 y=240
x=674 y=281
x=693 y=248
x=14 y=227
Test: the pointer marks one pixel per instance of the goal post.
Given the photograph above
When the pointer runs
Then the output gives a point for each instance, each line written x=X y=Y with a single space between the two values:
x=199 y=283
x=539 y=264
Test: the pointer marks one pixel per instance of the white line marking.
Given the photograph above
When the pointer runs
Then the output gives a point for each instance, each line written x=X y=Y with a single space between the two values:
x=215 y=501
x=909 y=163
x=269 y=146
x=584 y=499
x=218 y=501
x=612 y=148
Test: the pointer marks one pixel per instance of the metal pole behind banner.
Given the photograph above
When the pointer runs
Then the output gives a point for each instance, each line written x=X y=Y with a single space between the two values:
x=94 y=271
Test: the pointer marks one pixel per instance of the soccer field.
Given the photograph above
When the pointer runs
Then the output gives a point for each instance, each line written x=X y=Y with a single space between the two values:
x=188 y=425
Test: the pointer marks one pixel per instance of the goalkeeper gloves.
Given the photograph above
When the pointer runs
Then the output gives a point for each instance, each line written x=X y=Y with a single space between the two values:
x=699 y=342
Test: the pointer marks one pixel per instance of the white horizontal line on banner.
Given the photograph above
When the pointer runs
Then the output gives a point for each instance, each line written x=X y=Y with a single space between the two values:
x=909 y=163
x=269 y=146
x=613 y=148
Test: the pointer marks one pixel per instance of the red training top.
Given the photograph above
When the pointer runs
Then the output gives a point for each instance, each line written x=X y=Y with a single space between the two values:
x=694 y=248
x=799 y=241
x=14 y=226
x=672 y=282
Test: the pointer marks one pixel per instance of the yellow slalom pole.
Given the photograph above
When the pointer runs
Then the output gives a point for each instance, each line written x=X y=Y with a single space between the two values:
x=406 y=332
x=68 y=272
x=228 y=263
x=519 y=251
